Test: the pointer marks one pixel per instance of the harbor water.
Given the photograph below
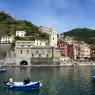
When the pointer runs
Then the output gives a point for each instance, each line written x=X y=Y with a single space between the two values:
x=55 y=80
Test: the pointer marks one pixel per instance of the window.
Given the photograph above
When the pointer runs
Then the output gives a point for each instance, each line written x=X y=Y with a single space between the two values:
x=37 y=52
x=47 y=55
x=46 y=44
x=39 y=55
x=32 y=55
x=21 y=51
x=27 y=51
x=21 y=34
x=22 y=45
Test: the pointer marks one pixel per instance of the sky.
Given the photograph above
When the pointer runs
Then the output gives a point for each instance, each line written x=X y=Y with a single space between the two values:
x=64 y=15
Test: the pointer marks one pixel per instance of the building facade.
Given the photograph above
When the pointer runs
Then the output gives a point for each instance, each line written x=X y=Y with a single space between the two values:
x=20 y=33
x=28 y=54
x=70 y=52
x=41 y=43
x=62 y=47
x=92 y=53
x=7 y=39
x=52 y=41
x=84 y=51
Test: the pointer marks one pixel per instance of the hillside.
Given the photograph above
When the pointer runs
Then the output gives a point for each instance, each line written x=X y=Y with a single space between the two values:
x=82 y=34
x=9 y=25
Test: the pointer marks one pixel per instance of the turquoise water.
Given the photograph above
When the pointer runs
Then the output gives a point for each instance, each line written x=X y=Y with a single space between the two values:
x=56 y=80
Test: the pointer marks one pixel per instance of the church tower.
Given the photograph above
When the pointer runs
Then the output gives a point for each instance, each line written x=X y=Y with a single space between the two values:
x=53 y=37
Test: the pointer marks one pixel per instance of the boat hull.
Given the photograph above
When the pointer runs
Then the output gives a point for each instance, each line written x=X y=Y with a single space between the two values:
x=20 y=85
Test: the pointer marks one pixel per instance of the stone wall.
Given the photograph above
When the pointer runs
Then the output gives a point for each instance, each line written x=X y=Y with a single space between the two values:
x=39 y=61
x=4 y=48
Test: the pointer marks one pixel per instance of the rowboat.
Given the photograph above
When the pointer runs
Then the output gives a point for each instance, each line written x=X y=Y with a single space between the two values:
x=21 y=85
x=3 y=70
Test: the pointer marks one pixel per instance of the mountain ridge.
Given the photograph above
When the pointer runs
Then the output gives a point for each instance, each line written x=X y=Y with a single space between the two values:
x=82 y=34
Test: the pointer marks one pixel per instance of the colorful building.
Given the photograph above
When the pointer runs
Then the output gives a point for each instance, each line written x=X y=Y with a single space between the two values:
x=84 y=51
x=62 y=47
x=92 y=53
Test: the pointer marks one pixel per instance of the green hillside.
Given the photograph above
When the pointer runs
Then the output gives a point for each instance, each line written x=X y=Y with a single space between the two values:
x=82 y=34
x=9 y=25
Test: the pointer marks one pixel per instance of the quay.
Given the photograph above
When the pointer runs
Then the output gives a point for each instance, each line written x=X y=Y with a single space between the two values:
x=64 y=64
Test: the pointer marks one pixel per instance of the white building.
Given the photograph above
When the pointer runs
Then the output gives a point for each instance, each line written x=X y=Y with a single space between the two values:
x=7 y=39
x=41 y=43
x=52 y=41
x=20 y=33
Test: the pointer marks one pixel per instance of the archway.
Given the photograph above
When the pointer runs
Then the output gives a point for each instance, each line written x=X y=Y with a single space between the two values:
x=23 y=62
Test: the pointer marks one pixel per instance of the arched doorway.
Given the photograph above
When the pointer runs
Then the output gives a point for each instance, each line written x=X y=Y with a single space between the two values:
x=23 y=62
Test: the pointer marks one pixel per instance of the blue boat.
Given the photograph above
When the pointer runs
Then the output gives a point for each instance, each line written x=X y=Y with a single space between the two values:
x=21 y=85
x=3 y=70
x=93 y=77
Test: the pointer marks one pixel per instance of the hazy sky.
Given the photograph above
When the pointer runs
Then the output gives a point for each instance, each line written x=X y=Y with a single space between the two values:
x=63 y=14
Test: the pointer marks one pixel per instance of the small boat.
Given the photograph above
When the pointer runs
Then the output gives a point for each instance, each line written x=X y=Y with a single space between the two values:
x=93 y=77
x=21 y=85
x=3 y=70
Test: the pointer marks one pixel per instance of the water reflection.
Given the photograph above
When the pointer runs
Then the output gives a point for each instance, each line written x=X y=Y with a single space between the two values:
x=24 y=92
x=56 y=80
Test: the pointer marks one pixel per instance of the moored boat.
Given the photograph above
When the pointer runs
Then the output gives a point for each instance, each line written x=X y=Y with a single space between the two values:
x=21 y=85
x=93 y=77
x=3 y=70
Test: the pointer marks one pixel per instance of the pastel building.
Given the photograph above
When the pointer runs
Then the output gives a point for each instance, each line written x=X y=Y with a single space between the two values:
x=92 y=53
x=76 y=50
x=20 y=33
x=68 y=39
x=84 y=51
x=62 y=47
x=70 y=52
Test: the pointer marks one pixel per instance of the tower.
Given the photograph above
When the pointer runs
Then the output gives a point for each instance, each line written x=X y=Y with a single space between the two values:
x=53 y=37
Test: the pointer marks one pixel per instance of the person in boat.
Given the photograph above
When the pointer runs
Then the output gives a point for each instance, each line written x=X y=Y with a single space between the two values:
x=26 y=81
x=11 y=81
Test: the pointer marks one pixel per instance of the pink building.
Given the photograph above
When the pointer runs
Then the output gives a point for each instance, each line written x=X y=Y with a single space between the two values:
x=92 y=53
x=62 y=46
